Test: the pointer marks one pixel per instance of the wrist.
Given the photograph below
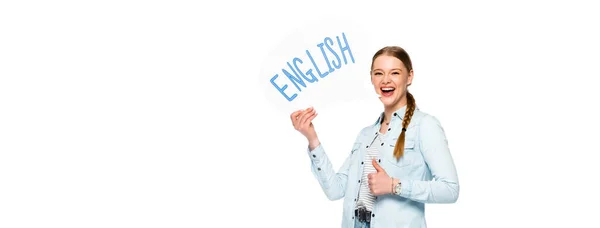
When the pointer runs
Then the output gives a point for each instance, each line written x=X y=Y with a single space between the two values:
x=395 y=183
x=313 y=143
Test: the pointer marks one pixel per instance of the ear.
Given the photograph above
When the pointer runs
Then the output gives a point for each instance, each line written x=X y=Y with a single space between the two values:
x=410 y=78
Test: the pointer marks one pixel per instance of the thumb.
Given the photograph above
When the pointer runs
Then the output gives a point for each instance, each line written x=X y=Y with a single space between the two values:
x=376 y=166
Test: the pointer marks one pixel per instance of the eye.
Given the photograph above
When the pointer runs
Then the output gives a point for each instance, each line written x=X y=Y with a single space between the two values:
x=396 y=73
x=377 y=73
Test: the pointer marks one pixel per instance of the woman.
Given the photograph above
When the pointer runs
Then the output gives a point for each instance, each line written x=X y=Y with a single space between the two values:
x=397 y=164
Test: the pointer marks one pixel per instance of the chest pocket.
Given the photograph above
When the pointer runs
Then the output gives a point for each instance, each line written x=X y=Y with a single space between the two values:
x=409 y=163
x=408 y=158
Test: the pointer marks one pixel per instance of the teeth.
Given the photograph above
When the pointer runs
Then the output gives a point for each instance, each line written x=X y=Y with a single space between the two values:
x=387 y=89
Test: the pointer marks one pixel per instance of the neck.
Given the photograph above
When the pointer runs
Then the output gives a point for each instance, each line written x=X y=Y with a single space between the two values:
x=389 y=111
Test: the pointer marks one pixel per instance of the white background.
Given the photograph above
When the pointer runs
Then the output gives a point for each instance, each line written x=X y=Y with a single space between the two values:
x=150 y=114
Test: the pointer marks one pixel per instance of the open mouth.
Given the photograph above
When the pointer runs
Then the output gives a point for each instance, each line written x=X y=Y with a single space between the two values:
x=387 y=91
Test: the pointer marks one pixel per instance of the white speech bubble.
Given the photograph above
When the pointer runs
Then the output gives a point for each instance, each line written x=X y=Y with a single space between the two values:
x=321 y=63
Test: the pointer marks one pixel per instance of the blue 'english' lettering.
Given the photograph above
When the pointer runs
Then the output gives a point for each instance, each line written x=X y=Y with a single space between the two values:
x=299 y=78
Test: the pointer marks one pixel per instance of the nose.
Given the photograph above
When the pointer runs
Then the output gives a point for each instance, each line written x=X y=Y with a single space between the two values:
x=385 y=79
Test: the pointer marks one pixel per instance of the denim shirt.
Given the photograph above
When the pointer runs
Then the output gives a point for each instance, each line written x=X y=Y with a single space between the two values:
x=426 y=172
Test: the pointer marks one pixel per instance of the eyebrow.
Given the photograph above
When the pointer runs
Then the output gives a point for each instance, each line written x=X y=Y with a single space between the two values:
x=400 y=69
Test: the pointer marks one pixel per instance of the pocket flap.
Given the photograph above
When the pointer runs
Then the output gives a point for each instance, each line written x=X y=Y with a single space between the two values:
x=408 y=144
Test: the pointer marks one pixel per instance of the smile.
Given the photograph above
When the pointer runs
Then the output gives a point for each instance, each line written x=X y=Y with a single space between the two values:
x=387 y=91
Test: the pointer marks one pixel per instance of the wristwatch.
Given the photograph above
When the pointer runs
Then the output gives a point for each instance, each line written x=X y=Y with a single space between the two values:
x=397 y=188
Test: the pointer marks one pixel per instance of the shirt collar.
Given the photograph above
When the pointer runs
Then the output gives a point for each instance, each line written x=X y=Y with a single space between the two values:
x=397 y=114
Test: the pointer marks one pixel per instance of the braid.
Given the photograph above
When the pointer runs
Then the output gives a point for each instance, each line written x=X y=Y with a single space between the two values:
x=410 y=110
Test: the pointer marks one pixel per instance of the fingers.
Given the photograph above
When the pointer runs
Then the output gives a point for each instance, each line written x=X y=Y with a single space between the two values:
x=301 y=119
x=372 y=185
x=294 y=116
x=372 y=188
x=310 y=118
x=376 y=166
x=305 y=115
x=374 y=191
x=371 y=179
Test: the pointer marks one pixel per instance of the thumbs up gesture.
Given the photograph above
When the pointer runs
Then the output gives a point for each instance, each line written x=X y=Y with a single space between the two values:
x=379 y=182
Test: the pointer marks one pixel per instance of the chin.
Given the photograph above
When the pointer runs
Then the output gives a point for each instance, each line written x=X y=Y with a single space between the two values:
x=388 y=102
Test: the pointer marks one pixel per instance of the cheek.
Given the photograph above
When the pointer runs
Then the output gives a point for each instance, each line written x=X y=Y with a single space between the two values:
x=375 y=82
x=401 y=81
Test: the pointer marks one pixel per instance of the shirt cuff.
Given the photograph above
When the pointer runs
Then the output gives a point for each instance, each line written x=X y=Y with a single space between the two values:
x=317 y=154
x=406 y=188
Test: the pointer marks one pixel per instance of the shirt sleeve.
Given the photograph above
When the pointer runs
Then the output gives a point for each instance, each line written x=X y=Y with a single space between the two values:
x=444 y=188
x=333 y=183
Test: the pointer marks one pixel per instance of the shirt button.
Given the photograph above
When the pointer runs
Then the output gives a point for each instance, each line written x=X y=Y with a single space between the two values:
x=358 y=181
x=362 y=163
x=389 y=129
x=373 y=215
x=382 y=144
x=379 y=160
x=354 y=199
x=395 y=114
x=367 y=146
x=314 y=156
x=319 y=169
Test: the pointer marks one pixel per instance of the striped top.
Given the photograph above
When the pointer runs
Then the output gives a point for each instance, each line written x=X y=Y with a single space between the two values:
x=365 y=197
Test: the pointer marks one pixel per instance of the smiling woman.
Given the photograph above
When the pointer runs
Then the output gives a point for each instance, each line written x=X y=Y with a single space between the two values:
x=397 y=164
x=387 y=65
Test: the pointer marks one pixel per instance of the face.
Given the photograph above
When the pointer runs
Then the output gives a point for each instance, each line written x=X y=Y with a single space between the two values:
x=391 y=79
